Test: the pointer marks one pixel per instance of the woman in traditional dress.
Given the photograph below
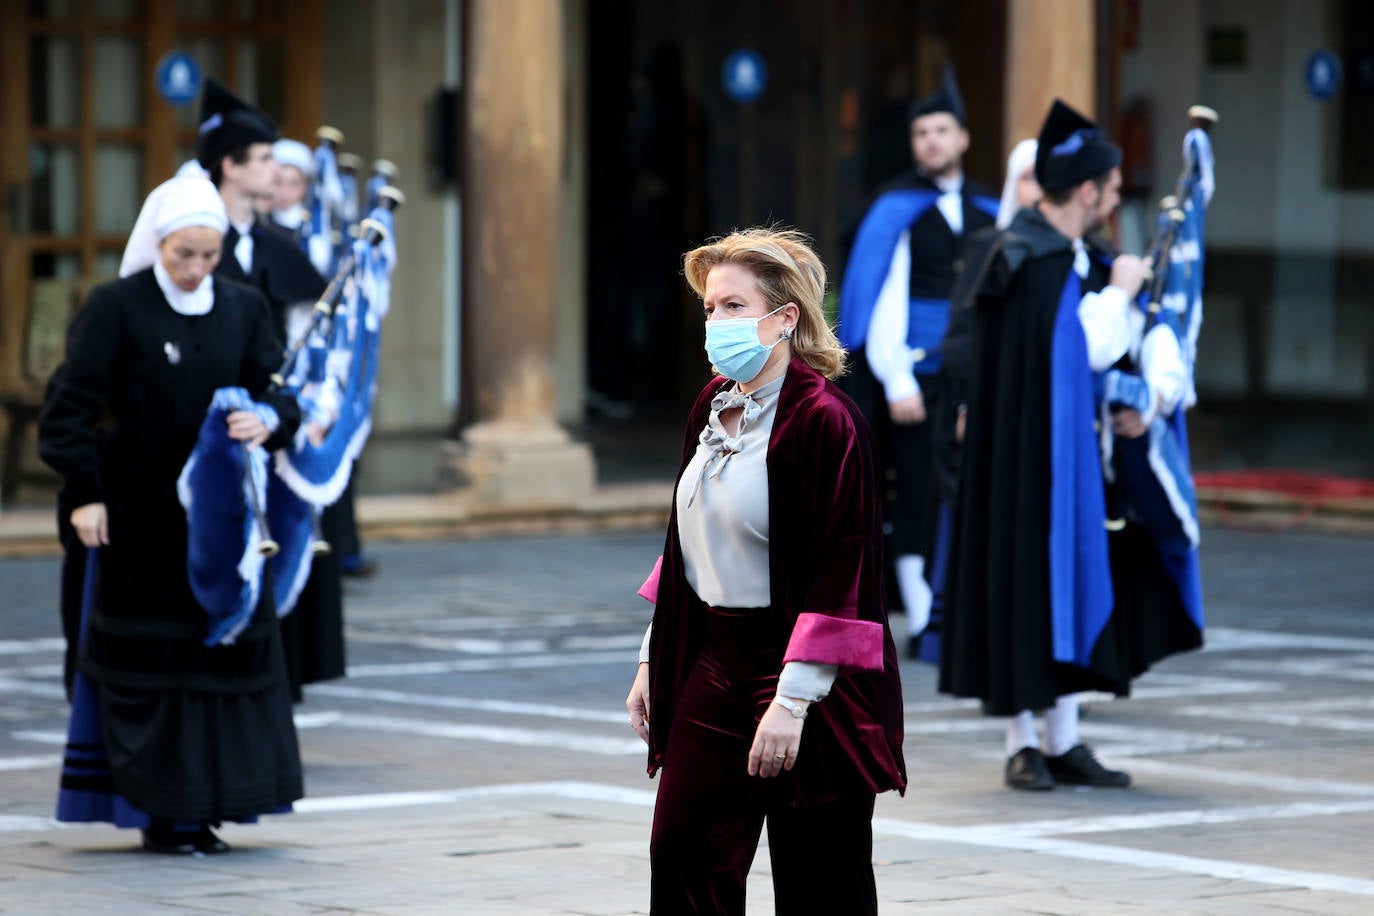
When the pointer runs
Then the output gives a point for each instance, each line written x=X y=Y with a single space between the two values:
x=189 y=735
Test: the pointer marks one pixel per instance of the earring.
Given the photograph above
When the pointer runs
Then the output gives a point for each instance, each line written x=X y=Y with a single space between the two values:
x=787 y=333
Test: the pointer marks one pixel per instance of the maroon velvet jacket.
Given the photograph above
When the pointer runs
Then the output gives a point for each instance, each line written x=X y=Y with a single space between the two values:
x=825 y=561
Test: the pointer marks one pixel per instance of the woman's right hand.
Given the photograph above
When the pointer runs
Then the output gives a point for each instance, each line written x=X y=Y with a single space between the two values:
x=638 y=702
x=92 y=524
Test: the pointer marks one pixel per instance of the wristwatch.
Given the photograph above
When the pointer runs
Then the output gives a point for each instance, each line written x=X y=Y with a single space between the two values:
x=797 y=710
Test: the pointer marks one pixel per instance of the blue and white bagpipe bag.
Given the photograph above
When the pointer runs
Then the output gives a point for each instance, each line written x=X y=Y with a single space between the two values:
x=334 y=379
x=219 y=480
x=1152 y=475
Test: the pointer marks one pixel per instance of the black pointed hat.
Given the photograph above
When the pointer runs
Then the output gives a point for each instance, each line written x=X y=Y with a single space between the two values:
x=228 y=123
x=945 y=99
x=1071 y=150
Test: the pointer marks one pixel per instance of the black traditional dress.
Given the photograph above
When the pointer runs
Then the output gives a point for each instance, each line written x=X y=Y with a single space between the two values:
x=192 y=733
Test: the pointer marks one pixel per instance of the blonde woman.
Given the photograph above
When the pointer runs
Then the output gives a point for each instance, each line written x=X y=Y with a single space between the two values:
x=768 y=688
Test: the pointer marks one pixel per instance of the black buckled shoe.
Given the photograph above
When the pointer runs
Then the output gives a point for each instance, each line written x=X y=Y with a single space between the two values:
x=208 y=843
x=1026 y=770
x=162 y=837
x=1078 y=767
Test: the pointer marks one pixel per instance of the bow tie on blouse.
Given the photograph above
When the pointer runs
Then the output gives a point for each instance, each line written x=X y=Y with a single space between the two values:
x=721 y=443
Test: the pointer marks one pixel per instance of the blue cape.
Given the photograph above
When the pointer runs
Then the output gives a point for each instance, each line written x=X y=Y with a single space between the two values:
x=1081 y=597
x=871 y=257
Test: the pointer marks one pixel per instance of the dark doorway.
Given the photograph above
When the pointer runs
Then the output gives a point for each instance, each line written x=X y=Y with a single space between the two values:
x=674 y=159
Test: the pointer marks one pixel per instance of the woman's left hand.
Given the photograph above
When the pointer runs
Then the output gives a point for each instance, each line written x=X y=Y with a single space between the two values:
x=777 y=741
x=246 y=426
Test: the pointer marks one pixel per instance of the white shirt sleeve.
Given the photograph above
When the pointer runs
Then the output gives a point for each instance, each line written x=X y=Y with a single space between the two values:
x=1106 y=326
x=644 y=646
x=1161 y=365
x=808 y=681
x=885 y=346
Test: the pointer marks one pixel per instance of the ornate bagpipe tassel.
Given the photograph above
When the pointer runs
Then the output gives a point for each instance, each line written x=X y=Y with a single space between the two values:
x=332 y=370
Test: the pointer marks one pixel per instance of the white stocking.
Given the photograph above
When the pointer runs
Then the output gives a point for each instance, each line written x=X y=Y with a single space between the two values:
x=916 y=595
x=1020 y=732
x=1061 y=725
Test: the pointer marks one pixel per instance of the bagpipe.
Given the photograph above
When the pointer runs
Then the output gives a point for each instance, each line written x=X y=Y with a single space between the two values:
x=244 y=513
x=1150 y=477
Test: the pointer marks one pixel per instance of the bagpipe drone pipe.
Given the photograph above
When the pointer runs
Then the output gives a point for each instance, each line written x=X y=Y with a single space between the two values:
x=240 y=513
x=1150 y=477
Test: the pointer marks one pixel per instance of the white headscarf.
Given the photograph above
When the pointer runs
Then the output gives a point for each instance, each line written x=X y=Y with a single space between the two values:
x=1022 y=157
x=296 y=153
x=175 y=204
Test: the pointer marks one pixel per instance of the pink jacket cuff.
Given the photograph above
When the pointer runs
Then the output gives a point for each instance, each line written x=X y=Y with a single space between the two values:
x=649 y=590
x=826 y=640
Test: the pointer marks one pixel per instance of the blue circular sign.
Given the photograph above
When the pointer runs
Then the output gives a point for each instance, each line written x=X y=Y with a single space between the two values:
x=744 y=75
x=178 y=77
x=1323 y=74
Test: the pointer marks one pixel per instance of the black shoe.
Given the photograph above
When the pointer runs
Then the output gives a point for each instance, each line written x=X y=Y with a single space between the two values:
x=913 y=646
x=1026 y=770
x=208 y=843
x=1078 y=767
x=161 y=837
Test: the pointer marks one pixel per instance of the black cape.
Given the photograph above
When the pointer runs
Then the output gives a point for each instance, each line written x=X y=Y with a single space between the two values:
x=997 y=631
x=192 y=733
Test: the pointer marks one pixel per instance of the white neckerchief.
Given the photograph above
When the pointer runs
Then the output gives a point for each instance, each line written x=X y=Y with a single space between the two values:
x=243 y=248
x=198 y=301
x=1080 y=259
x=951 y=202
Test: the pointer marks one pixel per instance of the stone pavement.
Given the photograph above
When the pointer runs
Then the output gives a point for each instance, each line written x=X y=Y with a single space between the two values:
x=476 y=760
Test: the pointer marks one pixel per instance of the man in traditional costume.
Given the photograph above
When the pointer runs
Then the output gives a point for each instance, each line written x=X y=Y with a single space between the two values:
x=894 y=307
x=1049 y=597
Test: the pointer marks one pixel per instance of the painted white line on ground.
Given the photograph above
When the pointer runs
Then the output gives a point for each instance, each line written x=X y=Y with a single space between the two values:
x=1269 y=781
x=585 y=791
x=316 y=719
x=996 y=836
x=1336 y=667
x=41 y=737
x=1132 y=858
x=468 y=645
x=29 y=763
x=1230 y=639
x=1110 y=739
x=28 y=646
x=525 y=737
x=20 y=687
x=567 y=660
x=1158 y=819
x=14 y=823
x=1295 y=714
x=469 y=704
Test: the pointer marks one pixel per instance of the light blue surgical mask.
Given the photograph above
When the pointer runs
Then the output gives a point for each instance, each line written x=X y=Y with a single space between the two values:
x=733 y=346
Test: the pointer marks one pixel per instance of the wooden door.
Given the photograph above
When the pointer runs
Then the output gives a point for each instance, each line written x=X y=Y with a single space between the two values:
x=84 y=135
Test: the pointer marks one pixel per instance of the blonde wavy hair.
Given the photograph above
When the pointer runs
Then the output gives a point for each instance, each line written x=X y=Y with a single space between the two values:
x=787 y=270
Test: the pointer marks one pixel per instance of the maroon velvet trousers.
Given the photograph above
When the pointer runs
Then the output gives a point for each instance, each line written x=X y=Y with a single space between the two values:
x=710 y=811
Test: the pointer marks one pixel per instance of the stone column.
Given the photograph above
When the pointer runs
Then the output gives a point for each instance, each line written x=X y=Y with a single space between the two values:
x=1051 y=49
x=515 y=454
